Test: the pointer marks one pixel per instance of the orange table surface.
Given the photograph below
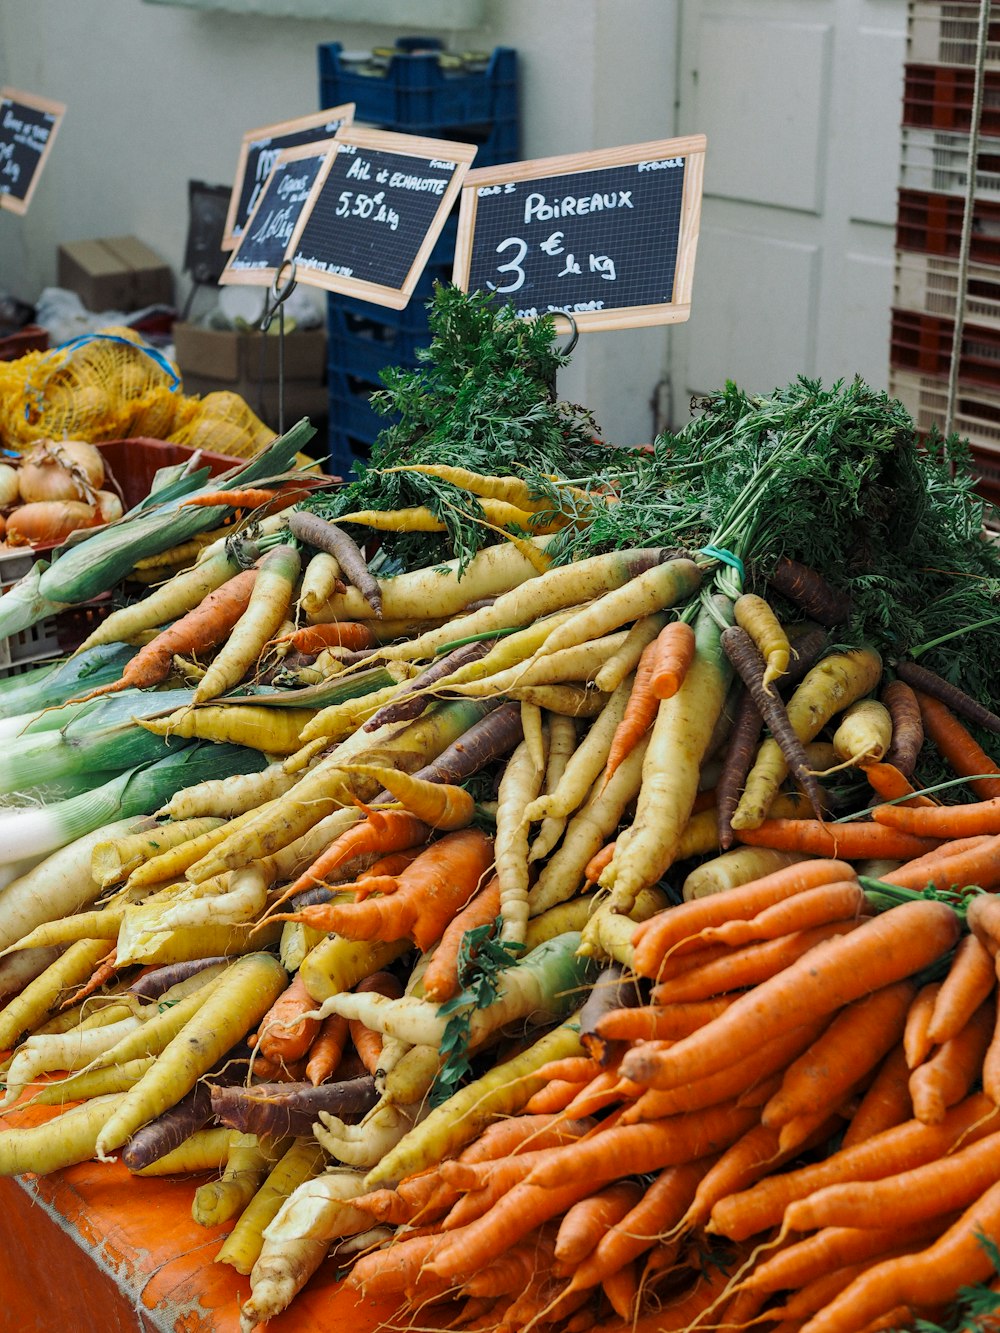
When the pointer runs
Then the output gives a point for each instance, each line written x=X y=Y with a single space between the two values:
x=93 y=1249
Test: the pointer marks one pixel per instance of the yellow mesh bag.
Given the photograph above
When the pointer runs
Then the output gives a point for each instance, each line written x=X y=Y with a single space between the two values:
x=112 y=385
x=102 y=386
x=223 y=423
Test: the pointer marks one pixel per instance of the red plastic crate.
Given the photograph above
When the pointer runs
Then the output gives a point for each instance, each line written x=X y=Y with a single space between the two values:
x=932 y=224
x=30 y=338
x=131 y=464
x=923 y=343
x=940 y=97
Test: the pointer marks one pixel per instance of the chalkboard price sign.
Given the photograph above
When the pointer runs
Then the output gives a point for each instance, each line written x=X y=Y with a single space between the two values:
x=381 y=205
x=28 y=125
x=259 y=152
x=608 y=237
x=290 y=188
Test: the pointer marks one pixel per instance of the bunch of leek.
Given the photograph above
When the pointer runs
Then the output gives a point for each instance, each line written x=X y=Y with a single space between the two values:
x=96 y=563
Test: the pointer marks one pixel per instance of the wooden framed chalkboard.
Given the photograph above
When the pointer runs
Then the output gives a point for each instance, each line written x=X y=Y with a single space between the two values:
x=259 y=151
x=382 y=203
x=28 y=125
x=608 y=236
x=290 y=188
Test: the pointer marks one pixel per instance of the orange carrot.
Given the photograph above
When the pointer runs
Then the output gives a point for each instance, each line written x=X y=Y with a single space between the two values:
x=833 y=1247
x=208 y=624
x=594 y=867
x=585 y=1222
x=852 y=841
x=916 y=1043
x=639 y=715
x=680 y=926
x=958 y=862
x=622 y=1289
x=656 y=1212
x=885 y=949
x=813 y=907
x=907 y=727
x=338 y=634
x=284 y=1033
x=937 y=1187
x=857 y=1039
x=942 y=821
x=516 y=1213
x=367 y=1042
x=104 y=971
x=381 y=831
x=991 y=1064
x=556 y=1095
x=625 y=1150
x=672 y=655
x=736 y=1080
x=505 y=1138
x=886 y=1103
x=441 y=979
x=960 y=750
x=971 y=978
x=888 y=782
x=248 y=498
x=327 y=1048
x=752 y=1156
x=395 y=1268
x=748 y=966
x=982 y=916
x=429 y=892
x=894 y=1150
x=929 y=1277
x=946 y=1076
x=649 y=1022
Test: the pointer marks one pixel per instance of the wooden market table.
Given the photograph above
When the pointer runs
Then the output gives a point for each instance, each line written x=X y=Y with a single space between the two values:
x=93 y=1249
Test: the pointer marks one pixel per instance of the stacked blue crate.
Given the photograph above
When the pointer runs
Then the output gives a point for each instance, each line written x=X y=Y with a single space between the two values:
x=418 y=90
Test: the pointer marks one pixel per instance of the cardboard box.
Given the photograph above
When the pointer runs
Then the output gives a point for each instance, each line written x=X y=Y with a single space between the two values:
x=115 y=273
x=302 y=399
x=235 y=357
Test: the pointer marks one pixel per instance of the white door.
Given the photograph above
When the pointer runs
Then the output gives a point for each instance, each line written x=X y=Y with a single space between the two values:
x=801 y=101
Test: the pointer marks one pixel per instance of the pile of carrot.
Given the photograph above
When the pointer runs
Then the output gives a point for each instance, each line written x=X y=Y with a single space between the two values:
x=540 y=973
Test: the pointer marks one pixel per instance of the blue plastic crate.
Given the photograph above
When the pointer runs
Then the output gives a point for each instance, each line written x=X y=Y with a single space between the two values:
x=350 y=410
x=344 y=452
x=363 y=358
x=415 y=94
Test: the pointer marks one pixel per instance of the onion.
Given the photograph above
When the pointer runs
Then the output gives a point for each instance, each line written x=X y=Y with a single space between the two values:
x=61 y=470
x=109 y=506
x=9 y=492
x=45 y=522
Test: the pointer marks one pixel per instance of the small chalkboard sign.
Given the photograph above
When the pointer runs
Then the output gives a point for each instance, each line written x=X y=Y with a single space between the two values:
x=382 y=203
x=259 y=151
x=608 y=237
x=292 y=185
x=28 y=125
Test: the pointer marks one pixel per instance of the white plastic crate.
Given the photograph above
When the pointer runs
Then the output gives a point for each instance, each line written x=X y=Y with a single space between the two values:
x=929 y=284
x=946 y=34
x=938 y=161
x=29 y=646
x=925 y=397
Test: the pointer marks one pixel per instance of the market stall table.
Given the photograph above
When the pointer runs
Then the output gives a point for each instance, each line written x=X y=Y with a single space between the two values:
x=92 y=1249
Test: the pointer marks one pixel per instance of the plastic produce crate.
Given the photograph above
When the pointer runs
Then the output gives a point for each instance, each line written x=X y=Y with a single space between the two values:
x=131 y=466
x=946 y=34
x=932 y=224
x=420 y=90
x=939 y=161
x=928 y=284
x=923 y=343
x=29 y=338
x=940 y=97
x=977 y=410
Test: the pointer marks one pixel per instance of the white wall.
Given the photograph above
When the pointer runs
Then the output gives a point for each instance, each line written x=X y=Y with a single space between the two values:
x=159 y=95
